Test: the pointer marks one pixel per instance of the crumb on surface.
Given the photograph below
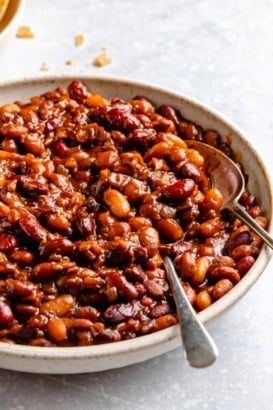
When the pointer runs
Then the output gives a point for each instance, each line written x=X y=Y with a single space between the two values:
x=69 y=62
x=44 y=67
x=24 y=32
x=79 y=40
x=102 y=59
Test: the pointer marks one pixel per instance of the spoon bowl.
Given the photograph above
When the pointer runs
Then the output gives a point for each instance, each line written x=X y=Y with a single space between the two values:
x=228 y=178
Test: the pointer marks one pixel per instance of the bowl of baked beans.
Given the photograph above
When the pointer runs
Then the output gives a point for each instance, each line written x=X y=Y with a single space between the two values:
x=97 y=185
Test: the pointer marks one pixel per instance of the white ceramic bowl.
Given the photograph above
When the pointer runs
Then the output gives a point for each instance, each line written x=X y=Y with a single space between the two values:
x=7 y=24
x=119 y=354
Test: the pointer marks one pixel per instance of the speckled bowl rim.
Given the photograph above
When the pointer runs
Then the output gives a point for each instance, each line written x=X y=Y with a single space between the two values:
x=11 y=17
x=113 y=355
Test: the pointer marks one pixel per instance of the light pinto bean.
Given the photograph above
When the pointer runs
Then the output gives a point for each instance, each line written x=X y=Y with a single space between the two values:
x=221 y=288
x=56 y=329
x=169 y=229
x=203 y=300
x=211 y=227
x=117 y=203
x=213 y=200
x=60 y=306
x=241 y=251
x=200 y=270
x=149 y=238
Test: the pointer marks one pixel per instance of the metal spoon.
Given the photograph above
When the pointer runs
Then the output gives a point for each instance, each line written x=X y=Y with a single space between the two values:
x=228 y=178
x=200 y=349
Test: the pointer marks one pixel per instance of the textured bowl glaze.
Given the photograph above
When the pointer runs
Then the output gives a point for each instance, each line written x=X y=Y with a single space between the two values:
x=119 y=354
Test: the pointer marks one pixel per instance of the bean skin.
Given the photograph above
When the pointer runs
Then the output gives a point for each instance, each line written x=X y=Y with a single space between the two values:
x=241 y=251
x=120 y=312
x=203 y=300
x=44 y=271
x=32 y=228
x=154 y=288
x=8 y=242
x=56 y=329
x=126 y=288
x=149 y=238
x=244 y=264
x=6 y=314
x=225 y=272
x=179 y=190
x=221 y=288
x=58 y=245
x=169 y=229
x=59 y=306
x=22 y=257
x=159 y=309
x=117 y=203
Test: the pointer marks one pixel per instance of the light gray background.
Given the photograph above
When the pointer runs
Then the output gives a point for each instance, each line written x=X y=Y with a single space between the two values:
x=220 y=52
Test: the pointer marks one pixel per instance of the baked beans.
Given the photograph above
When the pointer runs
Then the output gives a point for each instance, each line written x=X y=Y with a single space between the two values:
x=93 y=193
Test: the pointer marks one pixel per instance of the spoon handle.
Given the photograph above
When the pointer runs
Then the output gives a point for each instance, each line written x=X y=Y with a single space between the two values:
x=200 y=349
x=242 y=214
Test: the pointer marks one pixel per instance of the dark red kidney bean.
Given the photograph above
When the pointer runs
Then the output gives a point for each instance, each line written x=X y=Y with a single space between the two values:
x=223 y=146
x=189 y=215
x=19 y=288
x=109 y=335
x=59 y=245
x=8 y=242
x=42 y=342
x=189 y=131
x=24 y=309
x=154 y=288
x=243 y=238
x=178 y=248
x=84 y=223
x=43 y=272
x=22 y=257
x=135 y=273
x=6 y=314
x=159 y=309
x=190 y=170
x=31 y=185
x=140 y=289
x=212 y=138
x=52 y=123
x=125 y=288
x=61 y=148
x=122 y=120
x=247 y=200
x=88 y=312
x=120 y=312
x=179 y=190
x=170 y=113
x=78 y=91
x=32 y=227
x=7 y=268
x=244 y=264
x=140 y=138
